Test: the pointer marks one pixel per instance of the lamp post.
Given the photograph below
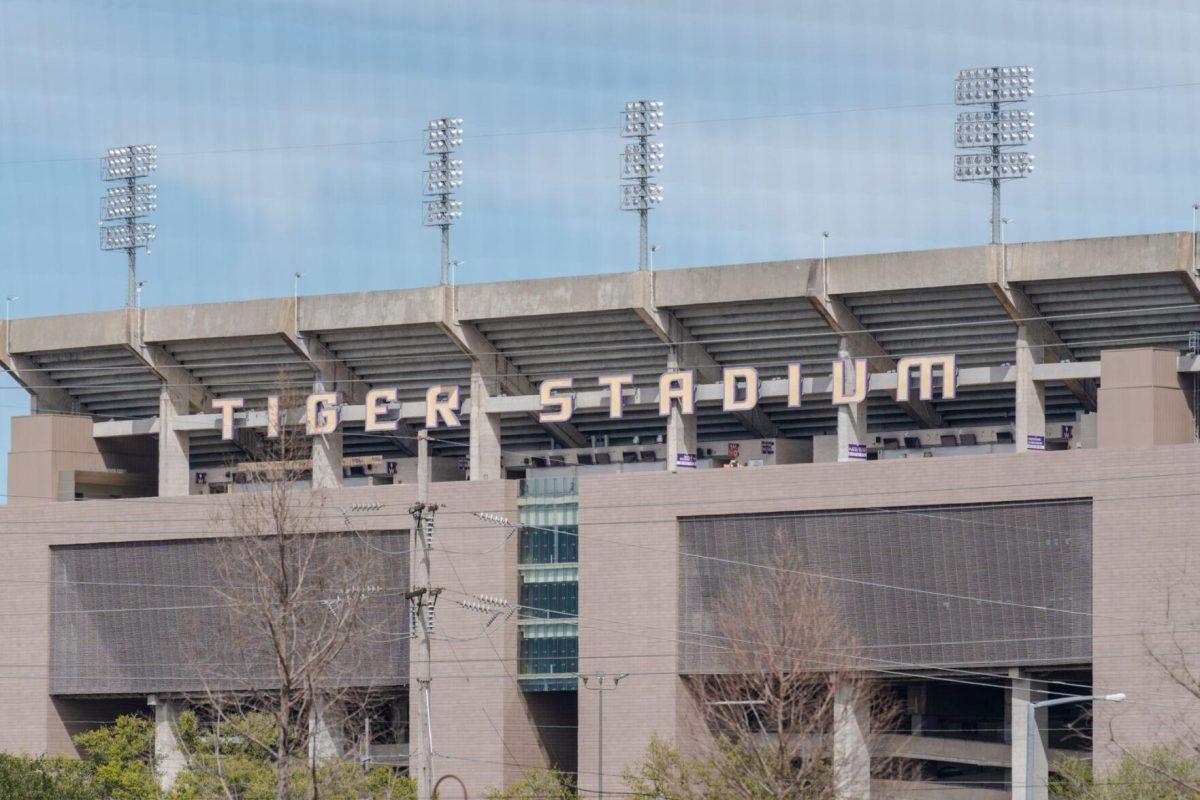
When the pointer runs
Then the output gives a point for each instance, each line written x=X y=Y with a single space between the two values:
x=126 y=203
x=640 y=161
x=1031 y=723
x=8 y=301
x=600 y=688
x=991 y=132
x=443 y=179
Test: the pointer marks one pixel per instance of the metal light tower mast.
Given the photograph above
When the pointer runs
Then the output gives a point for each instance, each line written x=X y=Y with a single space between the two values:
x=442 y=179
x=992 y=131
x=128 y=202
x=641 y=159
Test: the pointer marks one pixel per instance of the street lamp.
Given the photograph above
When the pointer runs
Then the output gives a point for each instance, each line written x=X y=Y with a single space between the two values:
x=128 y=202
x=641 y=160
x=990 y=133
x=442 y=179
x=8 y=301
x=600 y=688
x=1031 y=723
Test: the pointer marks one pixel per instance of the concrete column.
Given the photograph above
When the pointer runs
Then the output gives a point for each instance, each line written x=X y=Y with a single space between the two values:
x=326 y=450
x=169 y=759
x=852 y=417
x=174 y=478
x=485 y=431
x=327 y=461
x=681 y=428
x=1141 y=401
x=1023 y=692
x=851 y=752
x=324 y=743
x=1030 y=414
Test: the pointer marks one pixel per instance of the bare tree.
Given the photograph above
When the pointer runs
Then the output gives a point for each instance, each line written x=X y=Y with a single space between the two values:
x=307 y=607
x=783 y=676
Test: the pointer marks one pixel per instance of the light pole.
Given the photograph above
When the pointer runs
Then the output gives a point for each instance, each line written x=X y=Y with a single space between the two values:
x=1195 y=208
x=990 y=132
x=443 y=179
x=1031 y=723
x=1003 y=227
x=641 y=159
x=128 y=202
x=296 y=276
x=600 y=688
x=137 y=300
x=8 y=301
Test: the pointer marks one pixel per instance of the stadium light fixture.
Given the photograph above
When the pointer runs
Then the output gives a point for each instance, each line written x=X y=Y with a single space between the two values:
x=442 y=179
x=125 y=204
x=990 y=132
x=640 y=162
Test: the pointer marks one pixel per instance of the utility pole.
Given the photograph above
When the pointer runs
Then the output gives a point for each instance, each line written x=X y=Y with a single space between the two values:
x=600 y=688
x=422 y=598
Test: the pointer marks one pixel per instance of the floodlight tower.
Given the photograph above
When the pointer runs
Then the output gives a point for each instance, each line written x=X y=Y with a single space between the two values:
x=128 y=202
x=993 y=131
x=640 y=161
x=442 y=179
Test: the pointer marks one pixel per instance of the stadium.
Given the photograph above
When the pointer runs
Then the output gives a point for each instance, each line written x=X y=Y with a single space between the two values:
x=984 y=452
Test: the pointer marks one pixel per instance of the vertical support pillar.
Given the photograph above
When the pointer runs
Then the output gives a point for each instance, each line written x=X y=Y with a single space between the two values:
x=681 y=428
x=169 y=759
x=1030 y=413
x=1023 y=692
x=326 y=450
x=851 y=752
x=174 y=477
x=485 y=430
x=323 y=742
x=851 y=417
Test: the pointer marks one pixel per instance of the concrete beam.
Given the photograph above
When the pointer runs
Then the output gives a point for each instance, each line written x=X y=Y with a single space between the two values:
x=1039 y=333
x=467 y=338
x=182 y=383
x=337 y=376
x=691 y=354
x=645 y=397
x=46 y=396
x=862 y=344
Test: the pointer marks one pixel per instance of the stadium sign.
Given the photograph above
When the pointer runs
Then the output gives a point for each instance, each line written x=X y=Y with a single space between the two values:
x=676 y=392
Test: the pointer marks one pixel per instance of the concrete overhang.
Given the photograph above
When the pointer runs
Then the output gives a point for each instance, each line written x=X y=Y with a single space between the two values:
x=909 y=271
x=1113 y=256
x=267 y=317
x=69 y=332
x=390 y=308
x=769 y=280
x=573 y=295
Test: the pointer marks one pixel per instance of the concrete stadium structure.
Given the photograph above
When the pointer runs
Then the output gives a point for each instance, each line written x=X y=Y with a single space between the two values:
x=1022 y=538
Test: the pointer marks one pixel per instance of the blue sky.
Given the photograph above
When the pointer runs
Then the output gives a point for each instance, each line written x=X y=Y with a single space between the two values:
x=289 y=132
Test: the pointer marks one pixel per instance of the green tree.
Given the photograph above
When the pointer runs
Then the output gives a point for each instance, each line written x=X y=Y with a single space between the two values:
x=537 y=784
x=46 y=779
x=119 y=757
x=1166 y=772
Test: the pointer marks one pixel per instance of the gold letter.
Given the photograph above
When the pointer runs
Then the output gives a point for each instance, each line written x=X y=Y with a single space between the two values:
x=750 y=376
x=861 y=382
x=226 y=406
x=375 y=410
x=795 y=385
x=681 y=386
x=925 y=365
x=565 y=402
x=323 y=413
x=615 y=384
x=445 y=407
x=272 y=416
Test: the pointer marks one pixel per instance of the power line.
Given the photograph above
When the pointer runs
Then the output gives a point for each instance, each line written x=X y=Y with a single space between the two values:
x=603 y=128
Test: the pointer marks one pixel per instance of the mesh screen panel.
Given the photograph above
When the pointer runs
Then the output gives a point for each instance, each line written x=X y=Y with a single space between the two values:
x=151 y=617
x=1011 y=555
